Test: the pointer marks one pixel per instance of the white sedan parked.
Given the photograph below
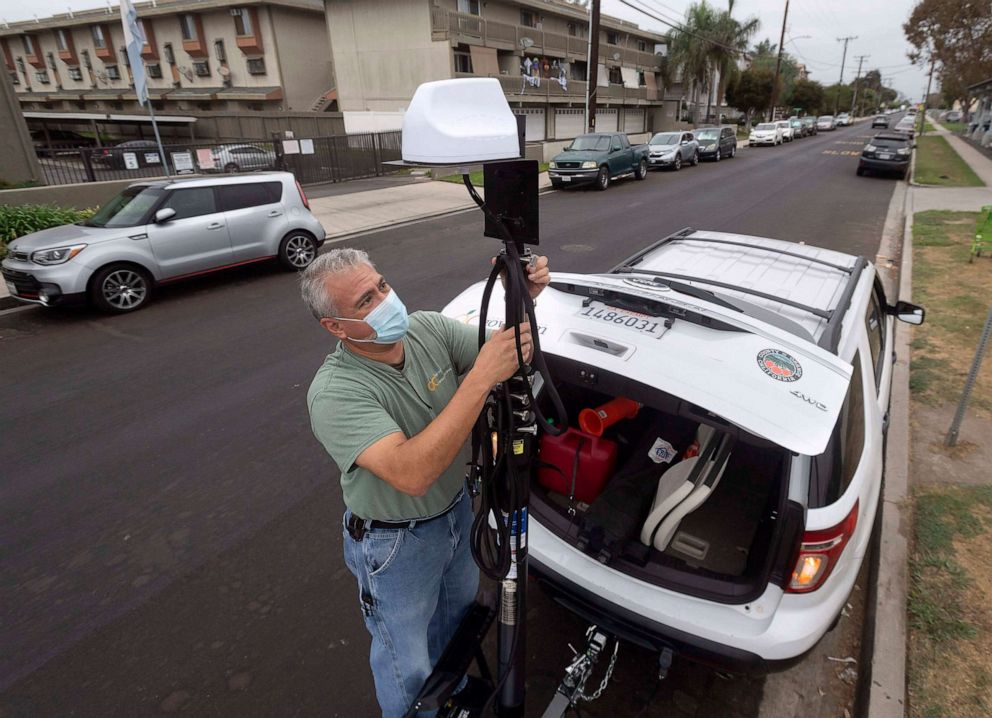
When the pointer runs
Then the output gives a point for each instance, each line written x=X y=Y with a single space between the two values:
x=766 y=133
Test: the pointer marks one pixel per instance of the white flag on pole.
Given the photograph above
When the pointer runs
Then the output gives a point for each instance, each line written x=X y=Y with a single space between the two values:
x=134 y=39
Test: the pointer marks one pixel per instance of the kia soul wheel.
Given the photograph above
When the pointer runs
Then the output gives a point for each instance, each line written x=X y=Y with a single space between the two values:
x=120 y=289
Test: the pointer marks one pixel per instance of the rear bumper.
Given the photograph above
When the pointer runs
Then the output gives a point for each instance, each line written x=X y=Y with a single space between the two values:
x=884 y=165
x=629 y=626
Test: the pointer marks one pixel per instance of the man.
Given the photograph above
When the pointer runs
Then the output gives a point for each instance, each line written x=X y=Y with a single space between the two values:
x=394 y=405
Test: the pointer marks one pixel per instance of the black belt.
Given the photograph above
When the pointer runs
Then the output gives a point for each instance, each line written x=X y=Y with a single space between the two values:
x=357 y=526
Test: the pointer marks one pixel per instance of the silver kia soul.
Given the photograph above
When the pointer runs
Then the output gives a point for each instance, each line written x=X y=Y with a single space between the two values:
x=161 y=231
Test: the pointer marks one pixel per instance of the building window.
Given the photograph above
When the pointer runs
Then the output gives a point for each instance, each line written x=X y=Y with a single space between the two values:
x=578 y=70
x=612 y=38
x=469 y=7
x=113 y=73
x=85 y=54
x=201 y=68
x=15 y=79
x=642 y=46
x=188 y=25
x=42 y=77
x=144 y=30
x=61 y=40
x=219 y=51
x=98 y=38
x=528 y=18
x=256 y=65
x=242 y=22
x=125 y=60
x=573 y=30
x=169 y=55
x=75 y=74
x=616 y=77
x=28 y=43
x=463 y=61
x=154 y=71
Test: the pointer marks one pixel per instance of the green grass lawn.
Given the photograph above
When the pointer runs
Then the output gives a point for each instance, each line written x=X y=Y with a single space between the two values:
x=955 y=126
x=927 y=127
x=938 y=164
x=476 y=177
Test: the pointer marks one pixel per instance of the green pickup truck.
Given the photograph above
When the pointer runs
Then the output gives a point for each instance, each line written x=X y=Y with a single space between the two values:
x=598 y=159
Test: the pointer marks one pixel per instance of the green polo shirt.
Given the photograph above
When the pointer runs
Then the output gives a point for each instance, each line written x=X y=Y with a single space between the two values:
x=355 y=401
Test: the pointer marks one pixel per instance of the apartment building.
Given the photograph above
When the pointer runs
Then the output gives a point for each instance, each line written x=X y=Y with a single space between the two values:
x=538 y=49
x=234 y=55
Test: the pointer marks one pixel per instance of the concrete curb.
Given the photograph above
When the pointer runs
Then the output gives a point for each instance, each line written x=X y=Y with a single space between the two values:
x=887 y=690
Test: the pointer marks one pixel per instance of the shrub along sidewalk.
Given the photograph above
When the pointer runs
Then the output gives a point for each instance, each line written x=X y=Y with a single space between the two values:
x=18 y=220
x=950 y=591
x=938 y=164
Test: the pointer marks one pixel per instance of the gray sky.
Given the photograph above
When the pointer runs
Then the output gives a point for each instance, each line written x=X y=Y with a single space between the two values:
x=878 y=26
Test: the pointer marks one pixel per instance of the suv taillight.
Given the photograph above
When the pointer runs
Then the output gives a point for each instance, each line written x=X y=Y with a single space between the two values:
x=819 y=553
x=303 y=197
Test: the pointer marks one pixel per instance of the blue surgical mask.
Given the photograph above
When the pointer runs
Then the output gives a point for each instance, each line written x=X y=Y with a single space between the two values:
x=389 y=321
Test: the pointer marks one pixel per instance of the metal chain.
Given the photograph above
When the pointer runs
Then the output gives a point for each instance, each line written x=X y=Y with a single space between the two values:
x=606 y=679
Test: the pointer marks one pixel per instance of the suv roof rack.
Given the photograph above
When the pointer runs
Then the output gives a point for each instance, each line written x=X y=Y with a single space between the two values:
x=831 y=333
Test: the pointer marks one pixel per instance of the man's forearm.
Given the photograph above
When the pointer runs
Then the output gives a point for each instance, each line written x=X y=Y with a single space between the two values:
x=426 y=455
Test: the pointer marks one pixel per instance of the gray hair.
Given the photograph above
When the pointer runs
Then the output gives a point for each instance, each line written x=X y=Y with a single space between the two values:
x=313 y=278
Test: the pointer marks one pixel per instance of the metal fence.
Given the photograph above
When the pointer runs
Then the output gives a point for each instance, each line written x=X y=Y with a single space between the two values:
x=311 y=160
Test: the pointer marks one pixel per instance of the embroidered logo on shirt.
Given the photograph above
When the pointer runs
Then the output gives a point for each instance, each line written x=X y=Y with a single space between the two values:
x=439 y=376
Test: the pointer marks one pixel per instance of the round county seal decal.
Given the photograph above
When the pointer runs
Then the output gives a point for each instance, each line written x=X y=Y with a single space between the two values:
x=779 y=365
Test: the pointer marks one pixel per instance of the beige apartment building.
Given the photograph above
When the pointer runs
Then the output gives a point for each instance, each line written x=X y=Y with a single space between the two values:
x=538 y=49
x=200 y=55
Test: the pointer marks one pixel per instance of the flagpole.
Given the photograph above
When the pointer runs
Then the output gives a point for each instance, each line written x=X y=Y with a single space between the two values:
x=134 y=39
x=158 y=139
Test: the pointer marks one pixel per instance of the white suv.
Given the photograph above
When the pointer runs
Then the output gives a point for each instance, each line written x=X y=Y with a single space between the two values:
x=740 y=498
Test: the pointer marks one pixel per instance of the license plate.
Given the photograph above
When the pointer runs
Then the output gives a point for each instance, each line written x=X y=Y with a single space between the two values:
x=884 y=156
x=566 y=179
x=10 y=287
x=624 y=318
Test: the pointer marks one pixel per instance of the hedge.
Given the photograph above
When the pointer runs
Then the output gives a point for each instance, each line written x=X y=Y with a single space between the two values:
x=18 y=220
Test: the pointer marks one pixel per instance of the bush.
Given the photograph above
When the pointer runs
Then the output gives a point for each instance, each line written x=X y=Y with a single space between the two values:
x=16 y=221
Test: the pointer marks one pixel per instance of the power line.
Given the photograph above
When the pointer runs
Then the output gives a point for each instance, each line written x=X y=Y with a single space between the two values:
x=678 y=26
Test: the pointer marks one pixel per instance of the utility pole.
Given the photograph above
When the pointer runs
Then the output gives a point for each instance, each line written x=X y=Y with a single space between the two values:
x=778 y=64
x=593 y=84
x=926 y=99
x=840 y=82
x=857 y=81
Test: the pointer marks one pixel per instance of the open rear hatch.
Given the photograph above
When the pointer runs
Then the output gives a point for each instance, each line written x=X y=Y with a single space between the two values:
x=690 y=489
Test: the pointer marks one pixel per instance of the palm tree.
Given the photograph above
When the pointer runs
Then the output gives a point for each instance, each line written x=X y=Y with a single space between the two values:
x=732 y=38
x=689 y=50
x=707 y=44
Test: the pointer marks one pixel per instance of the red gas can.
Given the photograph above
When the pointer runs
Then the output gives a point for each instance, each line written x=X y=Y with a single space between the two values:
x=597 y=457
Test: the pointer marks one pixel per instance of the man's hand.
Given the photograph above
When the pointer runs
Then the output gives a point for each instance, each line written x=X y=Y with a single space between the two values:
x=497 y=360
x=538 y=275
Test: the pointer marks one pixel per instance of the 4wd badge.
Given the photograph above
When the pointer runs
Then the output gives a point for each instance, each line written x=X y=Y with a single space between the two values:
x=779 y=365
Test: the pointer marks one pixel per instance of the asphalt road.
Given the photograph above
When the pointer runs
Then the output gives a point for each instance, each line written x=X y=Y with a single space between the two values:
x=170 y=530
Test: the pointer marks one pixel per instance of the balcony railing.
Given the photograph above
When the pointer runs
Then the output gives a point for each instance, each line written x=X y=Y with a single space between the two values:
x=474 y=30
x=517 y=89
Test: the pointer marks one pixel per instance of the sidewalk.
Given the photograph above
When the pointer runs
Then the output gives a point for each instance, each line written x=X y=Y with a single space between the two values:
x=962 y=199
x=887 y=688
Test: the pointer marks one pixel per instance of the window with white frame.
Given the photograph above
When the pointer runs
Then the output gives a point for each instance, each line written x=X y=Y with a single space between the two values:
x=528 y=18
x=98 y=39
x=256 y=65
x=469 y=7
x=154 y=71
x=75 y=74
x=463 y=61
x=42 y=77
x=28 y=43
x=242 y=21
x=113 y=73
x=61 y=41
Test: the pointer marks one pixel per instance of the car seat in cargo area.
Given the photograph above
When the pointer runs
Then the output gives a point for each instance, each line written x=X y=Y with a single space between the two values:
x=686 y=487
x=614 y=518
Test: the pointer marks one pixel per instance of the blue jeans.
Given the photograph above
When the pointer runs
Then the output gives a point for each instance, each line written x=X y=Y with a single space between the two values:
x=415 y=585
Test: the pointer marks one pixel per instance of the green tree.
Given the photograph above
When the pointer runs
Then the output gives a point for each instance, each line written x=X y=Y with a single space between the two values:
x=954 y=34
x=765 y=55
x=752 y=91
x=691 y=54
x=731 y=41
x=831 y=99
x=805 y=94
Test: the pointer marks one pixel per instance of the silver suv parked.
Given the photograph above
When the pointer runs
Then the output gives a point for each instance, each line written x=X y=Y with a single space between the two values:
x=162 y=231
